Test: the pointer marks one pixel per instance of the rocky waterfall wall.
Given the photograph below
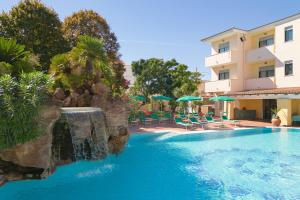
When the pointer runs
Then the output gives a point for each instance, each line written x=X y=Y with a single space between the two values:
x=71 y=134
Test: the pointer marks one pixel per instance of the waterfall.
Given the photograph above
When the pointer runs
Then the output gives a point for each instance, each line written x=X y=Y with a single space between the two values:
x=80 y=134
x=70 y=134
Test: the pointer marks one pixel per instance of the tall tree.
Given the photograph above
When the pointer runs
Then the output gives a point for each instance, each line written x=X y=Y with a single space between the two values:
x=156 y=76
x=88 y=22
x=153 y=77
x=184 y=81
x=37 y=27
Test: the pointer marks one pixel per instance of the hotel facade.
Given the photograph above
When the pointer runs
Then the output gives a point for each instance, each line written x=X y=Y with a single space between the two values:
x=260 y=68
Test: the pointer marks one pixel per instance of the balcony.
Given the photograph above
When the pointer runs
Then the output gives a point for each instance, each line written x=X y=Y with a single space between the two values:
x=260 y=83
x=222 y=85
x=260 y=54
x=229 y=57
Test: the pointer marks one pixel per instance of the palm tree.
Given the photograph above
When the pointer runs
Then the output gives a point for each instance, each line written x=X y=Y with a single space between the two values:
x=84 y=63
x=14 y=59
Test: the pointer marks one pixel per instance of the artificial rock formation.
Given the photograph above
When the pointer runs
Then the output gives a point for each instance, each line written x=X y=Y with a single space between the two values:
x=71 y=134
x=116 y=113
x=99 y=95
x=31 y=159
x=80 y=134
x=86 y=124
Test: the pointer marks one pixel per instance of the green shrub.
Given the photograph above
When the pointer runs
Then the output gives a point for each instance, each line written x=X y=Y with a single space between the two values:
x=20 y=102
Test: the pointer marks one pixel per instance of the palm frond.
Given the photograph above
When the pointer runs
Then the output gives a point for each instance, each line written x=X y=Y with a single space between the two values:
x=16 y=57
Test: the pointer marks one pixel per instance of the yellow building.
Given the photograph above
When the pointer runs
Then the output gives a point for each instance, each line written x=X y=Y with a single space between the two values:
x=259 y=67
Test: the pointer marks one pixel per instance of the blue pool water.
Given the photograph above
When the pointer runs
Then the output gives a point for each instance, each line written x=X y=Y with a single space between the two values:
x=244 y=164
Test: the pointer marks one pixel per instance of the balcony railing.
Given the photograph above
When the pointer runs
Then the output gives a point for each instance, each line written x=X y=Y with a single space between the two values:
x=260 y=83
x=260 y=54
x=222 y=85
x=221 y=59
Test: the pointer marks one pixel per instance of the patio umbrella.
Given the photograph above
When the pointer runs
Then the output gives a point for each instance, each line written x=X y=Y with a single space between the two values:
x=138 y=98
x=189 y=98
x=222 y=98
x=161 y=98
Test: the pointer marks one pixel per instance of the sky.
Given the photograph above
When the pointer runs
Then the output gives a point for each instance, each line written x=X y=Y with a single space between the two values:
x=173 y=28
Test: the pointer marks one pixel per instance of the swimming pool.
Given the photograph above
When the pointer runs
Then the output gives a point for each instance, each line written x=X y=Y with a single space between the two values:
x=243 y=164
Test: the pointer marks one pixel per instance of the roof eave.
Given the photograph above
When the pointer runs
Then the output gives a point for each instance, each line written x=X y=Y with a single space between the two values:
x=275 y=23
x=254 y=30
x=221 y=34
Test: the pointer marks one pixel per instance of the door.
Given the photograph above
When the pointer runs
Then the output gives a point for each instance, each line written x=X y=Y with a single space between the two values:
x=268 y=104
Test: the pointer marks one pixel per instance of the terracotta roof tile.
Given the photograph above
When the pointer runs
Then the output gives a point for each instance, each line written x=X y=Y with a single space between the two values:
x=289 y=90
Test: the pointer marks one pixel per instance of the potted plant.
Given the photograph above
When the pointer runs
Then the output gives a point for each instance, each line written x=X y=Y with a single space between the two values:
x=275 y=118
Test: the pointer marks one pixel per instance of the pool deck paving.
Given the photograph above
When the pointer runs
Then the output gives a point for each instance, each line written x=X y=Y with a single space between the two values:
x=174 y=128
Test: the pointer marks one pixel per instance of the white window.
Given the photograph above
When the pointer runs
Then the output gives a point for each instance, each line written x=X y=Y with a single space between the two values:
x=224 y=47
x=224 y=74
x=266 y=41
x=288 y=34
x=266 y=71
x=288 y=68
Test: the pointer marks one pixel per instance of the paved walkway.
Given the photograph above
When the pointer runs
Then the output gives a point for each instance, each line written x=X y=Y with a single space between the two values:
x=179 y=129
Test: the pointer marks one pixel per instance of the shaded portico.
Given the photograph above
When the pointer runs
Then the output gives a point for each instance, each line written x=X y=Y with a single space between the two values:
x=260 y=102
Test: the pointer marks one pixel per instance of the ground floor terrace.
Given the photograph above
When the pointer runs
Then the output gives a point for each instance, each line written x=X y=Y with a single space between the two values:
x=260 y=105
x=174 y=128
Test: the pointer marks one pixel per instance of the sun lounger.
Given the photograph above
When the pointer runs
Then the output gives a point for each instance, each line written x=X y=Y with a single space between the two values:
x=183 y=116
x=235 y=122
x=209 y=119
x=210 y=114
x=168 y=115
x=132 y=120
x=195 y=115
x=179 y=121
x=156 y=117
x=193 y=120
x=145 y=120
